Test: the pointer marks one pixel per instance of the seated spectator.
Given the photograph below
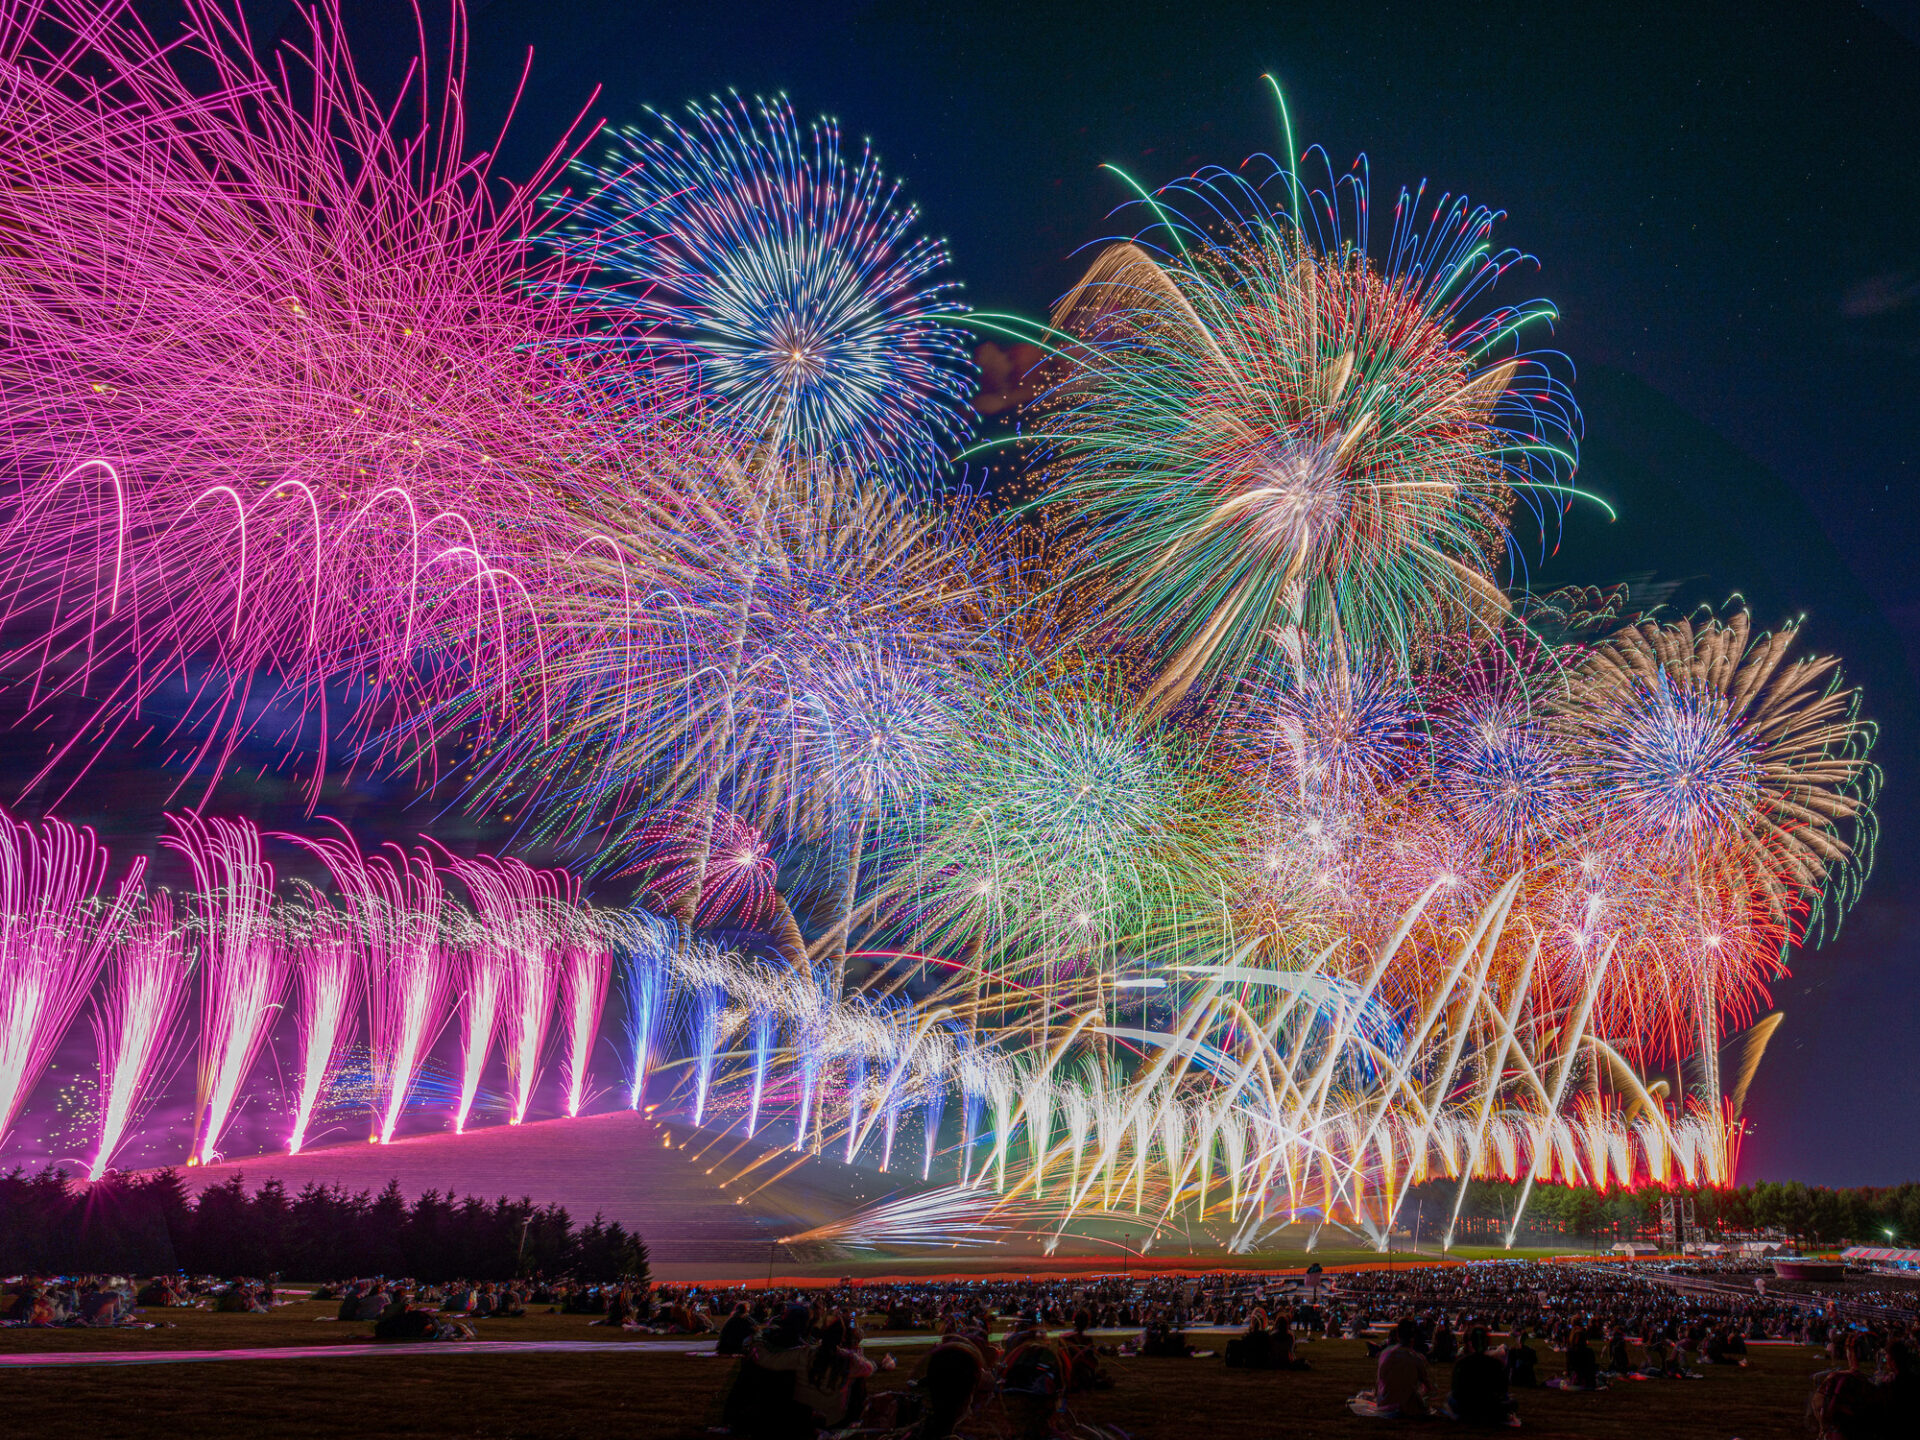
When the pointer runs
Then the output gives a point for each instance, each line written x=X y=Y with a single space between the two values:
x=1896 y=1398
x=104 y=1307
x=949 y=1381
x=1842 y=1404
x=834 y=1383
x=24 y=1300
x=1583 y=1367
x=1033 y=1383
x=1403 y=1381
x=735 y=1334
x=1619 y=1354
x=161 y=1292
x=1283 y=1354
x=400 y=1321
x=1162 y=1341
x=1522 y=1362
x=1253 y=1350
x=761 y=1403
x=1444 y=1345
x=1479 y=1392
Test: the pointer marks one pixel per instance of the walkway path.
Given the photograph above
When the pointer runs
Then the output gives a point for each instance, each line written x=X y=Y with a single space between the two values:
x=348 y=1350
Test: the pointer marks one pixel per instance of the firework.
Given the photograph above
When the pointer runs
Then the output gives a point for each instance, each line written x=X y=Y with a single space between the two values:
x=520 y=908
x=1743 y=777
x=326 y=963
x=133 y=1022
x=397 y=902
x=645 y=943
x=288 y=392
x=483 y=995
x=793 y=282
x=585 y=966
x=736 y=877
x=1214 y=837
x=1277 y=429
x=243 y=964
x=54 y=938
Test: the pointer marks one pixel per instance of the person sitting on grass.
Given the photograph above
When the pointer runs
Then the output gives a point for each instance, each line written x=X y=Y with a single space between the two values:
x=1033 y=1383
x=400 y=1321
x=1402 y=1382
x=1583 y=1367
x=508 y=1304
x=1254 y=1349
x=954 y=1374
x=1479 y=1393
x=164 y=1291
x=1160 y=1340
x=1619 y=1354
x=1841 y=1406
x=1282 y=1353
x=762 y=1403
x=735 y=1334
x=834 y=1383
x=1522 y=1363
x=1896 y=1396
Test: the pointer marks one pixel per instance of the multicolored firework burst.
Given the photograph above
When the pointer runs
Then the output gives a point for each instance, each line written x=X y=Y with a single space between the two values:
x=1276 y=429
x=735 y=875
x=792 y=281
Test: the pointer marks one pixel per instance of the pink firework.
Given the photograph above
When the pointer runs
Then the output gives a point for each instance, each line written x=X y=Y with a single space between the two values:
x=484 y=975
x=243 y=964
x=134 y=1022
x=396 y=903
x=585 y=966
x=54 y=938
x=738 y=876
x=292 y=389
x=326 y=961
x=518 y=908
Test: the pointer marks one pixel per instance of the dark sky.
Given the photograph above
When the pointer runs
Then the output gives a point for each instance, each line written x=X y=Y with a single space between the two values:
x=1723 y=201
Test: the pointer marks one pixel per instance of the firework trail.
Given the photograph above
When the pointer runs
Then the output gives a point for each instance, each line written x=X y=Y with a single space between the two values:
x=134 y=1021
x=521 y=908
x=585 y=967
x=326 y=964
x=791 y=282
x=645 y=943
x=55 y=936
x=397 y=904
x=292 y=390
x=485 y=973
x=709 y=1003
x=243 y=963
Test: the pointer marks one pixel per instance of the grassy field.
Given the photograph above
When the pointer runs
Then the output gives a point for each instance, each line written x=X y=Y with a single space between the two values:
x=609 y=1395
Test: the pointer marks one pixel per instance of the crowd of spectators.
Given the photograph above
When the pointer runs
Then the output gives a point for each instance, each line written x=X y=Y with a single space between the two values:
x=1460 y=1341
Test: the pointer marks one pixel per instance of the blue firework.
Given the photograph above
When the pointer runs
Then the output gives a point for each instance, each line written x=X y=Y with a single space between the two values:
x=792 y=283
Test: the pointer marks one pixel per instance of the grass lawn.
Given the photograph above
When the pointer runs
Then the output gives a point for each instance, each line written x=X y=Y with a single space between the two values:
x=604 y=1396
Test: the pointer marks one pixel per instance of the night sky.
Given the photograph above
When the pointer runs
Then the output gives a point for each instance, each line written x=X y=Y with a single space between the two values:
x=1723 y=202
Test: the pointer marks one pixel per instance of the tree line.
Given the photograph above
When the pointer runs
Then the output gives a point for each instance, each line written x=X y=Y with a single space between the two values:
x=1808 y=1214
x=150 y=1224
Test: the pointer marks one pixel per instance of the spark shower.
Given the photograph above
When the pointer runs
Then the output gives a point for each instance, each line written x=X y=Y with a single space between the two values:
x=1205 y=825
